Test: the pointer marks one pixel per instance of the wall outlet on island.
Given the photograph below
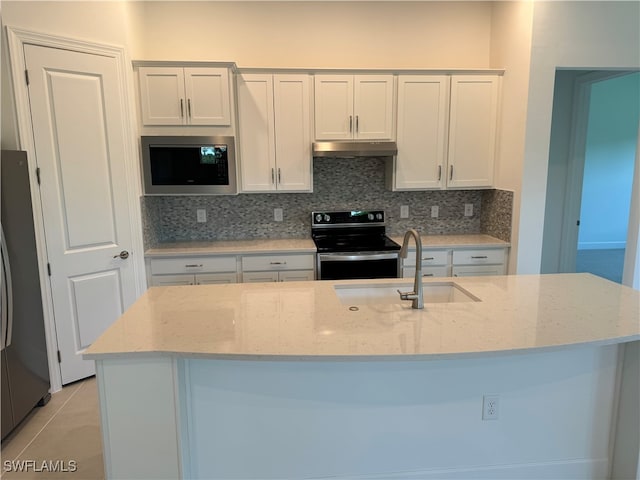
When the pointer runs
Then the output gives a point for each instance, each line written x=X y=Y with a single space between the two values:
x=277 y=214
x=490 y=407
x=468 y=209
x=435 y=211
x=201 y=215
x=404 y=211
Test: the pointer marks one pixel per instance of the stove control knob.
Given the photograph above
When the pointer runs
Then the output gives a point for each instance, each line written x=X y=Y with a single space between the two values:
x=326 y=217
x=370 y=216
x=318 y=218
x=379 y=216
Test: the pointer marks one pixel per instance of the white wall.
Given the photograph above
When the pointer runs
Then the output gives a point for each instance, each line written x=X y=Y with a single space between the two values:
x=113 y=23
x=320 y=34
x=610 y=155
x=510 y=49
x=579 y=35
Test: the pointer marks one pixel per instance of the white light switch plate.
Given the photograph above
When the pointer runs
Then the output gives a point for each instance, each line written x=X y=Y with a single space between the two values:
x=277 y=214
x=201 y=215
x=404 y=211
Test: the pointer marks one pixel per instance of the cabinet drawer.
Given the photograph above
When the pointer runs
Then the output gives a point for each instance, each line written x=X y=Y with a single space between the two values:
x=479 y=256
x=478 y=270
x=429 y=257
x=410 y=272
x=192 y=265
x=277 y=262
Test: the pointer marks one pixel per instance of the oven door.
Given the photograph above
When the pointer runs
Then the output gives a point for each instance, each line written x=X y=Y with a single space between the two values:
x=344 y=266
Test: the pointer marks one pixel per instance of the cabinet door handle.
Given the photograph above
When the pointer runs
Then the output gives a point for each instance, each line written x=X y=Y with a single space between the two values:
x=279 y=176
x=357 y=122
x=350 y=123
x=428 y=258
x=181 y=108
x=189 y=107
x=439 y=172
x=451 y=172
x=273 y=176
x=193 y=265
x=479 y=256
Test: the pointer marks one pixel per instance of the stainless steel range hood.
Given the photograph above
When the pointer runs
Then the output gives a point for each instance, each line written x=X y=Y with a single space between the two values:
x=346 y=148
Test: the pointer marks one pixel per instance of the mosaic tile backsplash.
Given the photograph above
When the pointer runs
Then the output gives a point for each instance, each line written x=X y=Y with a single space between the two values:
x=339 y=184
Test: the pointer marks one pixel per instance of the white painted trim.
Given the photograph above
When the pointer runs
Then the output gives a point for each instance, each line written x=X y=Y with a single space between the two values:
x=601 y=245
x=575 y=174
x=631 y=270
x=104 y=418
x=17 y=38
x=573 y=468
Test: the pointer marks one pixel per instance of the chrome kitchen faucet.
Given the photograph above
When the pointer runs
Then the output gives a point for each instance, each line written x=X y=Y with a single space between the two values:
x=417 y=294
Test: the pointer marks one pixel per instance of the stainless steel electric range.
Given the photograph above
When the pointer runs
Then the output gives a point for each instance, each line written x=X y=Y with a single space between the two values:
x=353 y=245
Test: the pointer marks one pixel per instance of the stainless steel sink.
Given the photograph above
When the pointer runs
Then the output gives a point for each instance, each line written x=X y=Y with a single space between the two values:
x=365 y=294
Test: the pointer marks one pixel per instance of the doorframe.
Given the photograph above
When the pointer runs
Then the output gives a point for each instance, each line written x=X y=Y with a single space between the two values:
x=575 y=166
x=17 y=39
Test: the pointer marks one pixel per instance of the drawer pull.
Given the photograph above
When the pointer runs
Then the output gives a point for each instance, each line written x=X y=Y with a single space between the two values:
x=277 y=263
x=479 y=256
x=428 y=258
x=428 y=275
x=194 y=265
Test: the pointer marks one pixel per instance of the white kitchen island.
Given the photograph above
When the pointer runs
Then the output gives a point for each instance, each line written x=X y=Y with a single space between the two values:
x=313 y=380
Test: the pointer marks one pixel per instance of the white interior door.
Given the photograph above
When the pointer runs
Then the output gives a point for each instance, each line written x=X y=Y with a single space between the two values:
x=79 y=142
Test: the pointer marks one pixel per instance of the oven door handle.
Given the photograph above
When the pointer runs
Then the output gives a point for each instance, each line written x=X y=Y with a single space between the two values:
x=346 y=257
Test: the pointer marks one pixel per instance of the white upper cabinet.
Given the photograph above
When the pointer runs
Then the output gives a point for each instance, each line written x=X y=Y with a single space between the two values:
x=423 y=115
x=275 y=132
x=354 y=107
x=472 y=130
x=446 y=131
x=185 y=96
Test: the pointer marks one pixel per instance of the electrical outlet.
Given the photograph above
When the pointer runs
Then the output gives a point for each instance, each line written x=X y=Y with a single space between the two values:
x=201 y=215
x=277 y=214
x=490 y=407
x=468 y=209
x=435 y=211
x=404 y=211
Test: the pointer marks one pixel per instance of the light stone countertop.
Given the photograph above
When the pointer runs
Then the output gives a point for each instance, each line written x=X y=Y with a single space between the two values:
x=307 y=321
x=233 y=247
x=451 y=241
x=304 y=245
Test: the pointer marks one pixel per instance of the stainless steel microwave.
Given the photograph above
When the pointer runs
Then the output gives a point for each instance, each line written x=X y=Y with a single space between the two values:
x=186 y=165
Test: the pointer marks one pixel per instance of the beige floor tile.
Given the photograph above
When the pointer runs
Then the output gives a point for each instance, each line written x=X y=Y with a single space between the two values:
x=17 y=440
x=72 y=434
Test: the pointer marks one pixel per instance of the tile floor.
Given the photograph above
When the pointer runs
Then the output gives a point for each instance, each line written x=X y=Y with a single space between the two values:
x=67 y=428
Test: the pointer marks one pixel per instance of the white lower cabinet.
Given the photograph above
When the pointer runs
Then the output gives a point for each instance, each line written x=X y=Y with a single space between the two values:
x=278 y=268
x=457 y=262
x=193 y=270
x=474 y=262
x=435 y=263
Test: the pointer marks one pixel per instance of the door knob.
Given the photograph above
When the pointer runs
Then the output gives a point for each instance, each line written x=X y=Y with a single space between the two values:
x=123 y=255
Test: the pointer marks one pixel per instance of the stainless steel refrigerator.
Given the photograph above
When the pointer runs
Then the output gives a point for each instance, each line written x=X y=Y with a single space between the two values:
x=25 y=369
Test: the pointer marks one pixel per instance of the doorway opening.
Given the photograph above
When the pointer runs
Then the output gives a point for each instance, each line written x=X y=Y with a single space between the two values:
x=594 y=137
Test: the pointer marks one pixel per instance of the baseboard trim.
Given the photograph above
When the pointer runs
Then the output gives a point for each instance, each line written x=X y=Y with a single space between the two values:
x=582 y=469
x=601 y=245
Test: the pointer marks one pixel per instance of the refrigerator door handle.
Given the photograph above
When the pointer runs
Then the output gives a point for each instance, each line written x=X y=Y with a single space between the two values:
x=7 y=296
